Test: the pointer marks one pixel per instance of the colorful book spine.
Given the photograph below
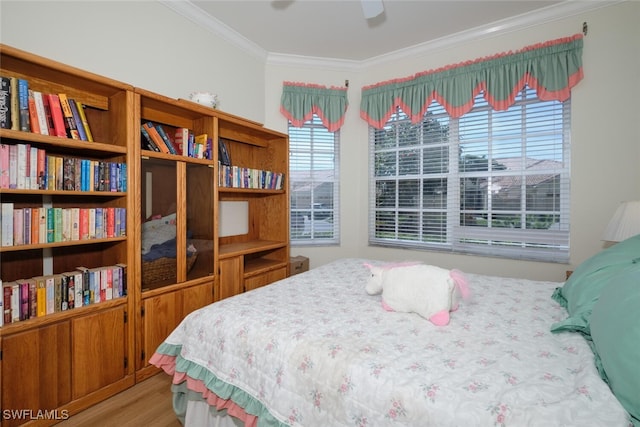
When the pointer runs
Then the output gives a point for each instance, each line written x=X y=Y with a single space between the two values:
x=4 y=166
x=166 y=139
x=70 y=123
x=155 y=136
x=15 y=103
x=85 y=122
x=182 y=140
x=57 y=118
x=41 y=296
x=41 y=113
x=50 y=288
x=6 y=216
x=34 y=121
x=146 y=138
x=78 y=120
x=5 y=102
x=23 y=104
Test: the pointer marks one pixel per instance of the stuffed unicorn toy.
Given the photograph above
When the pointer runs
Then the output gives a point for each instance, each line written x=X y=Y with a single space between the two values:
x=430 y=291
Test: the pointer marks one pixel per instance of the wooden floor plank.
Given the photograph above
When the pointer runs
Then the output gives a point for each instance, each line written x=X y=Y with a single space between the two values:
x=148 y=403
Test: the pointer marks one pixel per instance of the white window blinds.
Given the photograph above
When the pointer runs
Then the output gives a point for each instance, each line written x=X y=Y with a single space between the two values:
x=491 y=182
x=314 y=179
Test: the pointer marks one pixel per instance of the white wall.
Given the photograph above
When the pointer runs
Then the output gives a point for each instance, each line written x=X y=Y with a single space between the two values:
x=147 y=45
x=142 y=43
x=605 y=135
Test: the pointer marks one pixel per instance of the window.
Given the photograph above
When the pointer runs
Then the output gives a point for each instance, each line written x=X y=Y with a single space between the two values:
x=491 y=182
x=314 y=165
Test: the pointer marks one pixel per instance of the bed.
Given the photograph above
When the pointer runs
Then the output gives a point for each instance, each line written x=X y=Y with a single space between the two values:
x=316 y=350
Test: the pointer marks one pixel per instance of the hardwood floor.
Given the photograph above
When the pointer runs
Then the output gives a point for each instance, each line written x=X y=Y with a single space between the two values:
x=146 y=404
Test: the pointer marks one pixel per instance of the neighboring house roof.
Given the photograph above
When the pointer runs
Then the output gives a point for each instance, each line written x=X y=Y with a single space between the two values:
x=546 y=167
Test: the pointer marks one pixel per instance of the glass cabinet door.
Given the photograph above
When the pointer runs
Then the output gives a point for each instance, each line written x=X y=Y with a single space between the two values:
x=159 y=223
x=199 y=207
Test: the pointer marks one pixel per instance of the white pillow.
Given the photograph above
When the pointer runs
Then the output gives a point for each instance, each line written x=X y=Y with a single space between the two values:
x=158 y=231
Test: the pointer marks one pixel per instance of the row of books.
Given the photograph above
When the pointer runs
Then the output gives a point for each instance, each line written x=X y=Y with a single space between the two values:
x=241 y=177
x=44 y=113
x=39 y=296
x=23 y=166
x=38 y=225
x=181 y=142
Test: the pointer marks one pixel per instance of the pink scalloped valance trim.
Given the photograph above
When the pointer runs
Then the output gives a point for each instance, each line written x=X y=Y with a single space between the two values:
x=552 y=68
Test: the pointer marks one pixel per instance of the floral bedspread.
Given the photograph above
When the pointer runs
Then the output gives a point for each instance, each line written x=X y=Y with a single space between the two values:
x=316 y=350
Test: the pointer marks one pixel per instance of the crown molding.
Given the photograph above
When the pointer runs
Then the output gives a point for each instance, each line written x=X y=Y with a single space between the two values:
x=545 y=15
x=551 y=13
x=193 y=13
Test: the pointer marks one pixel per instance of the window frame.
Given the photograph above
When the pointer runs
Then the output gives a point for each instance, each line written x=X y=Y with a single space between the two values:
x=458 y=237
x=317 y=210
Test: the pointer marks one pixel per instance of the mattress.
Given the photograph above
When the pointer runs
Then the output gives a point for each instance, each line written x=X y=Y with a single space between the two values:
x=316 y=350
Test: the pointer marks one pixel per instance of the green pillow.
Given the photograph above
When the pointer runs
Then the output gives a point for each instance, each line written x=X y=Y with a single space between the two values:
x=615 y=331
x=583 y=288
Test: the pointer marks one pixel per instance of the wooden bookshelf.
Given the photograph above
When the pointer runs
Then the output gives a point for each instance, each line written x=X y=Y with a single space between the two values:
x=49 y=362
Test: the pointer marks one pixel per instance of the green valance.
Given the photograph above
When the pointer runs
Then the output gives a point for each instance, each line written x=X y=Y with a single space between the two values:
x=300 y=101
x=551 y=68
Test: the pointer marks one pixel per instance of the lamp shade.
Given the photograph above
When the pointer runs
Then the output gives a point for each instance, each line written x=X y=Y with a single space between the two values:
x=625 y=222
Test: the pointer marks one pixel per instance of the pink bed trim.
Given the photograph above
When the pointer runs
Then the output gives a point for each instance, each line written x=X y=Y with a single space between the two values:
x=167 y=364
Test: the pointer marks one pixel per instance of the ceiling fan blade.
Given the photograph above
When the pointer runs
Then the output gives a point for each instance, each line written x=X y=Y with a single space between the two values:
x=372 y=8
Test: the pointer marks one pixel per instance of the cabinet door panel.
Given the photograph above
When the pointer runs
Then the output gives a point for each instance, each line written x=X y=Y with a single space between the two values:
x=36 y=369
x=230 y=278
x=264 y=279
x=195 y=297
x=161 y=315
x=99 y=346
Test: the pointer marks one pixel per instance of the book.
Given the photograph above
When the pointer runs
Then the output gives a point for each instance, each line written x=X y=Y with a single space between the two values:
x=42 y=225
x=5 y=303
x=15 y=103
x=181 y=139
x=33 y=168
x=47 y=114
x=4 y=166
x=146 y=139
x=23 y=105
x=70 y=123
x=41 y=114
x=57 y=292
x=59 y=173
x=33 y=297
x=41 y=296
x=83 y=292
x=85 y=122
x=24 y=299
x=69 y=173
x=6 y=218
x=75 y=113
x=57 y=118
x=26 y=226
x=156 y=138
x=66 y=225
x=223 y=153
x=50 y=225
x=13 y=166
x=200 y=145
x=5 y=102
x=50 y=290
x=166 y=139
x=75 y=223
x=41 y=169
x=23 y=164
x=35 y=226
